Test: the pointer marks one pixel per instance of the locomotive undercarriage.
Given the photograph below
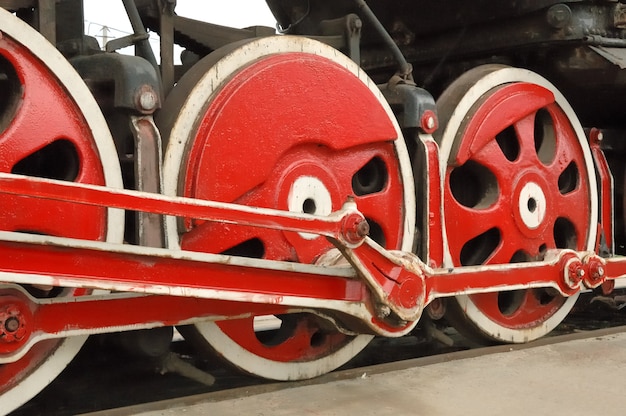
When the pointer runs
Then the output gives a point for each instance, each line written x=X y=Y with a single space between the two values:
x=279 y=181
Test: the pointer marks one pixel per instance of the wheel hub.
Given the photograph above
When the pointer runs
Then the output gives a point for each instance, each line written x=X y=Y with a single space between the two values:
x=532 y=208
x=308 y=194
x=50 y=126
x=287 y=117
x=517 y=162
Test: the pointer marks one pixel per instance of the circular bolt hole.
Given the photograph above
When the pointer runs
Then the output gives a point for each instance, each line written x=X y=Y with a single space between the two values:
x=308 y=206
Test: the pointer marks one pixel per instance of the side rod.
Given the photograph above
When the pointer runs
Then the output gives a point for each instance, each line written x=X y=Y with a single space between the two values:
x=348 y=225
x=385 y=290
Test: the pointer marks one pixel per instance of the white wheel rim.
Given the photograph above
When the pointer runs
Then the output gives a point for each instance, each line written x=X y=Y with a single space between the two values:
x=493 y=79
x=174 y=157
x=65 y=351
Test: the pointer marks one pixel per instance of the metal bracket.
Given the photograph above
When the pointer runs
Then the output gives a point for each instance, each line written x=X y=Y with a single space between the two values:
x=418 y=109
x=350 y=28
x=148 y=177
x=133 y=77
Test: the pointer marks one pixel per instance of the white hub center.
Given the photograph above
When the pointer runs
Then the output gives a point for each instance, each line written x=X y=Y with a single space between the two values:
x=309 y=195
x=532 y=205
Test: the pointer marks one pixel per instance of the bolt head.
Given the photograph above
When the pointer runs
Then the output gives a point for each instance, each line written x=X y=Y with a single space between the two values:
x=363 y=229
x=12 y=324
x=148 y=100
x=430 y=122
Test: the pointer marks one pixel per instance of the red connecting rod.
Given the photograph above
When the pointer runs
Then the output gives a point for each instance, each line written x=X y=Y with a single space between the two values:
x=386 y=291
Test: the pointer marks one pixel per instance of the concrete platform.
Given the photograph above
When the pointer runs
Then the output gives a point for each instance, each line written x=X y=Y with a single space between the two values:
x=574 y=377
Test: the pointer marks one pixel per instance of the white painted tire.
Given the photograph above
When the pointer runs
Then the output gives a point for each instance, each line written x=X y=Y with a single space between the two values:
x=65 y=350
x=489 y=77
x=207 y=82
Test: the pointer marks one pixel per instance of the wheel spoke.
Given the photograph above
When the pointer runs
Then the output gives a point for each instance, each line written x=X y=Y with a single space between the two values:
x=50 y=126
x=537 y=164
x=505 y=252
x=525 y=132
x=492 y=157
x=565 y=153
x=45 y=113
x=479 y=229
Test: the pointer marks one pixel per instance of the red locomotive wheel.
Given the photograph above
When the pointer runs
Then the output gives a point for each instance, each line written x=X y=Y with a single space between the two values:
x=291 y=124
x=519 y=181
x=50 y=126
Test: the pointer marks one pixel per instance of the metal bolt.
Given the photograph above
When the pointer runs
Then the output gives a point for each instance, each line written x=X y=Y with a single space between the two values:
x=354 y=228
x=430 y=122
x=363 y=229
x=574 y=273
x=148 y=100
x=356 y=24
x=597 y=273
x=559 y=16
x=12 y=324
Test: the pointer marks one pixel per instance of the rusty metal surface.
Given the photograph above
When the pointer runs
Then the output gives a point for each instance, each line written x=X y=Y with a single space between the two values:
x=148 y=176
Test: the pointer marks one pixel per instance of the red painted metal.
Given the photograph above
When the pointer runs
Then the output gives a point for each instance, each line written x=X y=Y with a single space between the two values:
x=15 y=322
x=43 y=119
x=336 y=226
x=396 y=281
x=329 y=144
x=64 y=317
x=507 y=106
x=434 y=220
x=429 y=122
x=500 y=144
x=596 y=274
x=282 y=119
x=559 y=270
x=407 y=286
x=46 y=117
x=317 y=133
x=160 y=272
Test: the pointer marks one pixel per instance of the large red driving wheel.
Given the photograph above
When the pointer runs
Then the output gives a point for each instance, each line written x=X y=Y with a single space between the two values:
x=291 y=124
x=51 y=127
x=519 y=181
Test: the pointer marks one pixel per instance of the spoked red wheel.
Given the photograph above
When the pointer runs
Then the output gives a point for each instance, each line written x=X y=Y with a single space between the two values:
x=291 y=124
x=51 y=127
x=519 y=181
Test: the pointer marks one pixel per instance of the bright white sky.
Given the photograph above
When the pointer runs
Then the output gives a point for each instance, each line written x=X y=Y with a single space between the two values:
x=235 y=13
